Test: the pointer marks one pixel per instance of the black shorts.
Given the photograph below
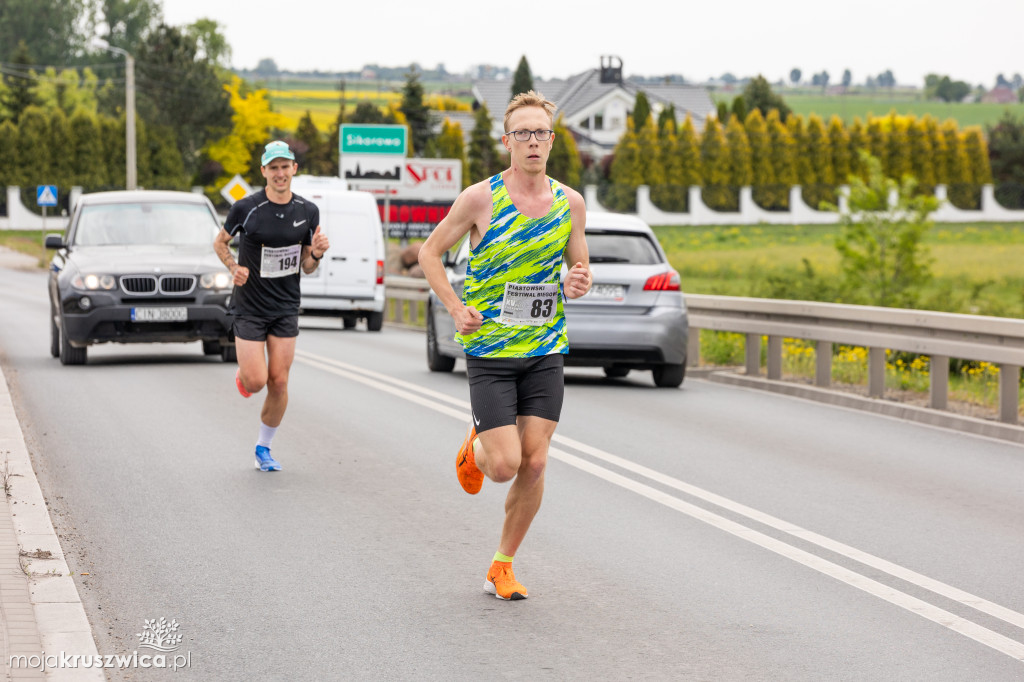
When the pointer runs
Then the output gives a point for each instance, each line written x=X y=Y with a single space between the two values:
x=256 y=328
x=502 y=388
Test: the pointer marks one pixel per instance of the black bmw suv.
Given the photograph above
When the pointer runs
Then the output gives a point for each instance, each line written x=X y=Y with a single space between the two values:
x=138 y=267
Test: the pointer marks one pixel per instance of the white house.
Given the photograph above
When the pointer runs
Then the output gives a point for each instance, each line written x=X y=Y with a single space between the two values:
x=594 y=104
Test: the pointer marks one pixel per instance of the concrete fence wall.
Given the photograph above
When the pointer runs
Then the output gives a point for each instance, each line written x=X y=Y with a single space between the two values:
x=800 y=213
x=20 y=218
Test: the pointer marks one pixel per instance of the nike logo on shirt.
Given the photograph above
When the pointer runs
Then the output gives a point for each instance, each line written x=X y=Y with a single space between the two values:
x=297 y=223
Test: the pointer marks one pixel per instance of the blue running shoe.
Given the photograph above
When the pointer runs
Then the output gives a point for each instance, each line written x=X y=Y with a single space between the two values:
x=264 y=462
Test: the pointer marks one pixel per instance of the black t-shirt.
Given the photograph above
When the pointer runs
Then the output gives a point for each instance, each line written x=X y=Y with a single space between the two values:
x=270 y=245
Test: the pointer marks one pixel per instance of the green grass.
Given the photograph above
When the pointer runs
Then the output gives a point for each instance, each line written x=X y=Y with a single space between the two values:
x=848 y=107
x=976 y=267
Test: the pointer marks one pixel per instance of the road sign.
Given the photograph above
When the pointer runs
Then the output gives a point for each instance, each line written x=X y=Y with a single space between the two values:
x=372 y=139
x=46 y=195
x=236 y=188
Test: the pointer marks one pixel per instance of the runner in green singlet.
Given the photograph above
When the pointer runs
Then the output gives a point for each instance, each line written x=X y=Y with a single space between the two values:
x=522 y=225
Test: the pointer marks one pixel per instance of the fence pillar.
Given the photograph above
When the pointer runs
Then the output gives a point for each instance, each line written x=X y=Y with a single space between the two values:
x=693 y=347
x=1009 y=393
x=938 y=387
x=876 y=372
x=753 y=354
x=774 y=357
x=823 y=363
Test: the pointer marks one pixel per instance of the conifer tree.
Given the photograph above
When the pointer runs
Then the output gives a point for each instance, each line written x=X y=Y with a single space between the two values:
x=653 y=170
x=878 y=141
x=34 y=153
x=315 y=160
x=641 y=111
x=898 y=161
x=670 y=196
x=484 y=160
x=978 y=164
x=627 y=171
x=112 y=136
x=858 y=142
x=667 y=120
x=417 y=114
x=450 y=145
x=9 y=171
x=961 y=191
x=688 y=151
x=819 y=183
x=839 y=145
x=805 y=172
x=940 y=152
x=741 y=173
x=84 y=151
x=59 y=139
x=522 y=80
x=718 y=194
x=166 y=166
x=922 y=157
x=18 y=94
x=977 y=155
x=784 y=165
x=763 y=175
x=564 y=161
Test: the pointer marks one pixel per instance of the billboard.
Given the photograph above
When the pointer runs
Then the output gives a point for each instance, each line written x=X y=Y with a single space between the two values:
x=422 y=179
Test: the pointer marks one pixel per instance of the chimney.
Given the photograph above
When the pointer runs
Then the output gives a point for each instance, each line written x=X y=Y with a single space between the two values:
x=611 y=69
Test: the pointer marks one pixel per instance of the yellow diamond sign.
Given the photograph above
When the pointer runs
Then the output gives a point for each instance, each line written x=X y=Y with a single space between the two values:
x=235 y=189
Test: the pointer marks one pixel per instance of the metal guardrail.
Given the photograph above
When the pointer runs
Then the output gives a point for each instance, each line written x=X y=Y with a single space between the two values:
x=941 y=336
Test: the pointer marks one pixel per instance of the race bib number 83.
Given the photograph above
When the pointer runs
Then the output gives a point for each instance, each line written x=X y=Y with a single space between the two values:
x=281 y=261
x=532 y=304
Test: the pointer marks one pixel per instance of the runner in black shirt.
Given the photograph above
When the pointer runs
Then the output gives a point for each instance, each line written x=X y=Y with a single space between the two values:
x=279 y=234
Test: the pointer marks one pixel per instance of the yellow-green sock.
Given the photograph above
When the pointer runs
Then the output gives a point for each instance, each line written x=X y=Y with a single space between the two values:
x=498 y=556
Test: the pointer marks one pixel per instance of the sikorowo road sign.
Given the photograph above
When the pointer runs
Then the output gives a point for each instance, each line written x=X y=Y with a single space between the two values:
x=46 y=195
x=372 y=139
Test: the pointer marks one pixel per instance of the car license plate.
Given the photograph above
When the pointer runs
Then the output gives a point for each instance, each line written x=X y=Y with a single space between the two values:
x=607 y=292
x=160 y=314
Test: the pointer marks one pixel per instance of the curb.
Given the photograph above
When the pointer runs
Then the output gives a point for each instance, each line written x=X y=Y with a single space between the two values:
x=921 y=415
x=56 y=605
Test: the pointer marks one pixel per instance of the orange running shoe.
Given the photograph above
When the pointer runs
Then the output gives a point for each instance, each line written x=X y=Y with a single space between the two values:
x=470 y=476
x=238 y=383
x=502 y=583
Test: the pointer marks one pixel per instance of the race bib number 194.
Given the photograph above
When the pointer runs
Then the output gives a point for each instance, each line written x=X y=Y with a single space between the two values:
x=281 y=261
x=532 y=304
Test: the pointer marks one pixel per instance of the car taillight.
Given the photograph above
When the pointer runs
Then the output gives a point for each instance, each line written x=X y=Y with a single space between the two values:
x=666 y=281
x=380 y=272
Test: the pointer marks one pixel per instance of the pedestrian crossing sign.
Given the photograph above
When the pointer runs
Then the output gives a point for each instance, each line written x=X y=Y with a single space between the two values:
x=46 y=195
x=235 y=189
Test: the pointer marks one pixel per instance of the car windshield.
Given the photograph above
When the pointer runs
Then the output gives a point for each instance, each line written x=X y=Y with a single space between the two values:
x=149 y=223
x=621 y=247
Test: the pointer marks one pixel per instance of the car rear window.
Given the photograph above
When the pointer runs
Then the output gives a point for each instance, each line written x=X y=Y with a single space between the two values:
x=621 y=247
x=145 y=224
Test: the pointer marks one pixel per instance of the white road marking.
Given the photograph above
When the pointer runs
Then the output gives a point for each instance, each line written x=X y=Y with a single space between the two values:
x=431 y=399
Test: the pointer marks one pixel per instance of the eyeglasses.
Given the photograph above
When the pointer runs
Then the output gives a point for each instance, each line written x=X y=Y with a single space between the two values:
x=524 y=135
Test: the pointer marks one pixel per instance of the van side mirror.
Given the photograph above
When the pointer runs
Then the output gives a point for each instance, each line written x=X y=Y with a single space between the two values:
x=54 y=241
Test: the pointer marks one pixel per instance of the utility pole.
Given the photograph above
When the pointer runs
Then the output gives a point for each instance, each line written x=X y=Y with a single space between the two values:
x=130 y=158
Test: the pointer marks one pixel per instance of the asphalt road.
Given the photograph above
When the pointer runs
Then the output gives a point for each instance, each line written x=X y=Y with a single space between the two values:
x=704 y=533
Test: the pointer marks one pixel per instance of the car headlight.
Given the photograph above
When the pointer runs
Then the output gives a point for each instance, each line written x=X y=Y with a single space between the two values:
x=215 y=280
x=93 y=282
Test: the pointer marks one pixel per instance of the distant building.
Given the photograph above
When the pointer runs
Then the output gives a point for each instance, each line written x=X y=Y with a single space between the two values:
x=594 y=104
x=1000 y=95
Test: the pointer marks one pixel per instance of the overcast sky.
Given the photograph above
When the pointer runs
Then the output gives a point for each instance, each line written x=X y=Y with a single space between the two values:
x=969 y=40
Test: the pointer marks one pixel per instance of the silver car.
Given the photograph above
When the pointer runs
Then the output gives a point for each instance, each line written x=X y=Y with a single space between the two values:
x=634 y=316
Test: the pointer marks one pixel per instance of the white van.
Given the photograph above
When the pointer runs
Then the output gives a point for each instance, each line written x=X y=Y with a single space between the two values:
x=350 y=280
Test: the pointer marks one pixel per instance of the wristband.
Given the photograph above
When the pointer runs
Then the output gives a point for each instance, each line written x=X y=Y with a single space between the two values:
x=314 y=257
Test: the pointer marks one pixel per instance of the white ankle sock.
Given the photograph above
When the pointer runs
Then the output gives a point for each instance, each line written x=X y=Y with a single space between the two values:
x=266 y=435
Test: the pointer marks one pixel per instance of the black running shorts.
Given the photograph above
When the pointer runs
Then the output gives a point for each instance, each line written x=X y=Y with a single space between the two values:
x=255 y=328
x=502 y=388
